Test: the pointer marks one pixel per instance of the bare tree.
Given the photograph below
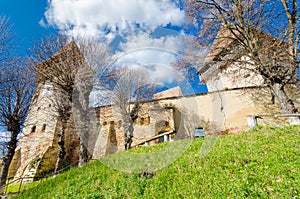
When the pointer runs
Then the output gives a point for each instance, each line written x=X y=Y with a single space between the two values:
x=71 y=67
x=267 y=32
x=129 y=89
x=6 y=38
x=63 y=108
x=57 y=61
x=17 y=89
x=92 y=73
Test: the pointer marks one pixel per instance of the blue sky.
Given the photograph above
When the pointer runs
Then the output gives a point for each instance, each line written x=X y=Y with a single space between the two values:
x=25 y=16
x=144 y=33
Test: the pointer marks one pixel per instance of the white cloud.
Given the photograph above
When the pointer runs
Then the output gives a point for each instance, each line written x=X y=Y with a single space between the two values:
x=134 y=20
x=96 y=17
x=154 y=55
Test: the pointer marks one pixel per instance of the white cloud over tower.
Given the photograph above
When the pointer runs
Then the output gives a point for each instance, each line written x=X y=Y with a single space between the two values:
x=133 y=20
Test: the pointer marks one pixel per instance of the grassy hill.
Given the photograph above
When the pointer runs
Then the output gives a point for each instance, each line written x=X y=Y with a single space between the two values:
x=262 y=163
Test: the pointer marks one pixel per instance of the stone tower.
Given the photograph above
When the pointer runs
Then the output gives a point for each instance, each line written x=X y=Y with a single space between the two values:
x=37 y=151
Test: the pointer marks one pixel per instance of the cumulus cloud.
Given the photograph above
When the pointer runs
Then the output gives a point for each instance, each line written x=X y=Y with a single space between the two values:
x=136 y=21
x=103 y=17
x=153 y=55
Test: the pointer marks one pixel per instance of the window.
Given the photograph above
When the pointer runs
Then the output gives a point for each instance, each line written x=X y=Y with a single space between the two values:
x=33 y=129
x=44 y=127
x=112 y=123
x=199 y=132
x=142 y=121
x=167 y=124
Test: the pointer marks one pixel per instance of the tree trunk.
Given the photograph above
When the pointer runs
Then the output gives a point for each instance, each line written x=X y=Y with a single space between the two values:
x=286 y=105
x=83 y=153
x=61 y=143
x=12 y=144
x=84 y=137
x=81 y=94
x=4 y=172
x=128 y=131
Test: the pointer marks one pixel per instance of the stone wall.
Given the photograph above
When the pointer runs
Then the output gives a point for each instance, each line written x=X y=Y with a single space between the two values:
x=37 y=149
x=217 y=112
x=222 y=110
x=111 y=136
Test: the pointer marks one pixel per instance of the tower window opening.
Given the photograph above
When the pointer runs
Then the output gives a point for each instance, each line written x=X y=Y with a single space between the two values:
x=44 y=127
x=33 y=129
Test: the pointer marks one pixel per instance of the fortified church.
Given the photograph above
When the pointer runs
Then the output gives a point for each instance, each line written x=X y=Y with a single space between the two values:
x=231 y=98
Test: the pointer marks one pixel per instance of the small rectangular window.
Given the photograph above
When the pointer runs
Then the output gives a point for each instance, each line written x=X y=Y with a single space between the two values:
x=33 y=129
x=199 y=132
x=44 y=127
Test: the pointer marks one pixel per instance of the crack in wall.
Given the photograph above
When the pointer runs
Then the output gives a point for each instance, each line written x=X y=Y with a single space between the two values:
x=222 y=107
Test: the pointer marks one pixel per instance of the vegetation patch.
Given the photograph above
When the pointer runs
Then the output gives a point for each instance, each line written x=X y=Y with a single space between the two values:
x=34 y=163
x=261 y=163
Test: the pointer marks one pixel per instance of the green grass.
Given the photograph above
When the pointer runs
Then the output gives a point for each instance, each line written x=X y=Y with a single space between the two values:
x=261 y=163
x=15 y=187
